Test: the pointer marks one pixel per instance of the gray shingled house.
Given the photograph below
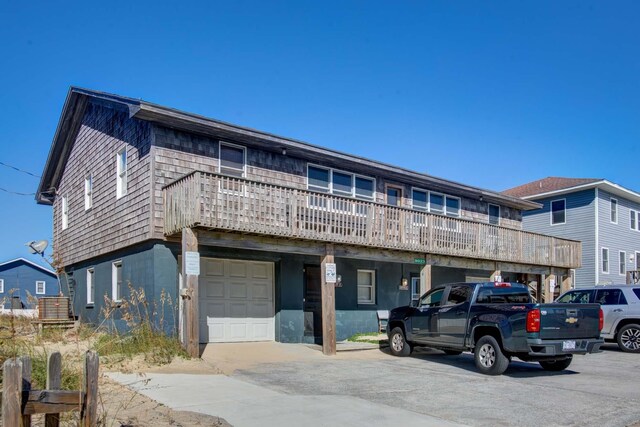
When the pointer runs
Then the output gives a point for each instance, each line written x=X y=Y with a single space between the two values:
x=139 y=191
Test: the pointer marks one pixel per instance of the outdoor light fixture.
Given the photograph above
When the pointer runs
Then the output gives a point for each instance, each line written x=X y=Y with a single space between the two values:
x=284 y=151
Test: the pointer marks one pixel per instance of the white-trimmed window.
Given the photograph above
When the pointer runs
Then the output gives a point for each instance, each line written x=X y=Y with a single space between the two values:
x=233 y=159
x=452 y=206
x=494 y=214
x=121 y=169
x=88 y=192
x=605 y=260
x=637 y=261
x=40 y=287
x=622 y=263
x=116 y=281
x=366 y=287
x=436 y=203
x=415 y=288
x=65 y=212
x=1 y=286
x=558 y=211
x=634 y=220
x=614 y=210
x=91 y=289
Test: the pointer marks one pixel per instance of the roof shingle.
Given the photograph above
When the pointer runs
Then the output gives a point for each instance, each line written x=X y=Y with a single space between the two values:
x=546 y=185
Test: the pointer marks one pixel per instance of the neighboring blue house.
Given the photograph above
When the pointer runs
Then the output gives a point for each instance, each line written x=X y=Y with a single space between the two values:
x=604 y=216
x=19 y=278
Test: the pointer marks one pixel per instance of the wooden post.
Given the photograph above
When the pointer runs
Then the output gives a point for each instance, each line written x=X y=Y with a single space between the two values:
x=54 y=381
x=425 y=279
x=567 y=281
x=11 y=392
x=548 y=294
x=328 y=292
x=89 y=415
x=191 y=320
x=26 y=385
x=497 y=273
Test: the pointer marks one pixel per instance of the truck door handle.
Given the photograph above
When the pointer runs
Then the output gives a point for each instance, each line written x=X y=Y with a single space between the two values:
x=618 y=310
x=460 y=313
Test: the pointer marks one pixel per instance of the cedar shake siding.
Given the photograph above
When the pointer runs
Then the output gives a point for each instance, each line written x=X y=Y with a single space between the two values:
x=110 y=223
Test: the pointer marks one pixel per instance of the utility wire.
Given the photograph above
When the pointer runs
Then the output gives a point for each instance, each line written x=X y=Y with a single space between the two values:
x=19 y=170
x=16 y=193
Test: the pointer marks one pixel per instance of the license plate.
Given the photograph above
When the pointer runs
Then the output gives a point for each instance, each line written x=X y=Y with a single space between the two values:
x=568 y=345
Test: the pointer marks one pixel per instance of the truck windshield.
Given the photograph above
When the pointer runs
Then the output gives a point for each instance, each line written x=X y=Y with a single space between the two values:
x=503 y=296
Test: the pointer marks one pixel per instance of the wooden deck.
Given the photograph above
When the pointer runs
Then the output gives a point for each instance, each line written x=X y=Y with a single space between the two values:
x=224 y=203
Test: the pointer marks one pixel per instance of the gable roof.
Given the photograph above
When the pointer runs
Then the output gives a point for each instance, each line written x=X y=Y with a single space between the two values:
x=556 y=186
x=29 y=263
x=77 y=99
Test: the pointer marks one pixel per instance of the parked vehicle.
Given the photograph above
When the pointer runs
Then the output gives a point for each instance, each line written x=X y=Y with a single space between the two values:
x=621 y=307
x=496 y=321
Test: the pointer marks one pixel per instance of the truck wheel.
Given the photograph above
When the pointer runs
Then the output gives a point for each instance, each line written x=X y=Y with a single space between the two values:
x=398 y=344
x=452 y=352
x=556 y=365
x=489 y=357
x=629 y=338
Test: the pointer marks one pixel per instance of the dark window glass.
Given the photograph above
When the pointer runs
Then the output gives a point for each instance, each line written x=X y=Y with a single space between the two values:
x=364 y=188
x=436 y=203
x=453 y=206
x=608 y=296
x=420 y=200
x=637 y=292
x=576 y=297
x=558 y=215
x=503 y=296
x=433 y=299
x=342 y=184
x=494 y=214
x=231 y=160
x=318 y=179
x=459 y=294
x=393 y=196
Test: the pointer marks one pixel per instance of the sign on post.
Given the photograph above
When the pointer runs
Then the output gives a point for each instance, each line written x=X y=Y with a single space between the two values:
x=192 y=263
x=330 y=275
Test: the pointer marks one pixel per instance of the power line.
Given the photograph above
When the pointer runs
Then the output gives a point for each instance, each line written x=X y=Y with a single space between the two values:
x=19 y=170
x=16 y=193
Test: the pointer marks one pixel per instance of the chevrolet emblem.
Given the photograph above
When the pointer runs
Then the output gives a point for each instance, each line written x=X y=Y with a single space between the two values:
x=571 y=320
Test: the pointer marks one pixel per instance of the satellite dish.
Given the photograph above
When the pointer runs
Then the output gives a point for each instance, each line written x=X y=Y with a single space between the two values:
x=37 y=247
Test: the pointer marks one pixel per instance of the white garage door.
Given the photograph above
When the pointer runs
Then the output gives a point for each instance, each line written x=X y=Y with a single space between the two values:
x=236 y=301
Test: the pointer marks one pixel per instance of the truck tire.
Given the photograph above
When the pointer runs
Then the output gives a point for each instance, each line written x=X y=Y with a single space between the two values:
x=556 y=365
x=489 y=357
x=629 y=338
x=398 y=343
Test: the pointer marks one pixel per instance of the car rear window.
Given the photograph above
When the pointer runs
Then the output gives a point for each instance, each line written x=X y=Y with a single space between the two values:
x=609 y=297
x=637 y=292
x=503 y=296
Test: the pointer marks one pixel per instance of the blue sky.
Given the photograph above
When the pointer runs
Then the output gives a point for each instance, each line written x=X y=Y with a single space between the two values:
x=491 y=94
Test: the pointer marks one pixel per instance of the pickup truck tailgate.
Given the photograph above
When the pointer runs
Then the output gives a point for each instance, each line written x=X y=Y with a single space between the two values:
x=559 y=321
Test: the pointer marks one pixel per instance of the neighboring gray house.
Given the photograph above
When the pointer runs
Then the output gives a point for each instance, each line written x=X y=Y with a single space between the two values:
x=138 y=189
x=20 y=279
x=604 y=216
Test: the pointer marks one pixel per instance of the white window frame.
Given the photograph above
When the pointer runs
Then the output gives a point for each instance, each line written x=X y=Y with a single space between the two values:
x=44 y=287
x=613 y=211
x=1 y=286
x=244 y=159
x=91 y=286
x=551 y=212
x=415 y=288
x=114 y=281
x=88 y=192
x=602 y=260
x=330 y=190
x=355 y=188
x=421 y=190
x=444 y=203
x=121 y=173
x=489 y=213
x=65 y=212
x=372 y=287
x=637 y=260
x=633 y=219
x=622 y=263
x=458 y=215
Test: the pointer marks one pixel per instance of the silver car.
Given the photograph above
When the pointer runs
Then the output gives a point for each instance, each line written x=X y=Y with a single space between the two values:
x=621 y=307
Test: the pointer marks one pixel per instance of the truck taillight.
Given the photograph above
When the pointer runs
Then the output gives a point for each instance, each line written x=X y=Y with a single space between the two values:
x=533 y=320
x=601 y=320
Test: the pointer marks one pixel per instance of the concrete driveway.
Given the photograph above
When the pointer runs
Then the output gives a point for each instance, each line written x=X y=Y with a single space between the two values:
x=291 y=384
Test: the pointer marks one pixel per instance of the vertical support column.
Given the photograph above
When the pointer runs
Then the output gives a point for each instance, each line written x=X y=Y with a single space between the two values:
x=425 y=278
x=54 y=381
x=497 y=274
x=548 y=292
x=12 y=392
x=190 y=296
x=328 y=292
x=567 y=282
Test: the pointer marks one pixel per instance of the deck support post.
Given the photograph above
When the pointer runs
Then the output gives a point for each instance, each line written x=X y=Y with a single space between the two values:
x=189 y=296
x=425 y=278
x=328 y=292
x=497 y=274
x=548 y=293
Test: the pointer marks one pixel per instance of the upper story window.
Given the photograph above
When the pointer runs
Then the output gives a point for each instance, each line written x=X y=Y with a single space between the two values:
x=232 y=160
x=437 y=203
x=614 y=211
x=341 y=183
x=634 y=220
x=452 y=206
x=1 y=286
x=121 y=169
x=116 y=281
x=605 y=260
x=494 y=214
x=40 y=287
x=394 y=196
x=558 y=211
x=65 y=213
x=88 y=192
x=91 y=290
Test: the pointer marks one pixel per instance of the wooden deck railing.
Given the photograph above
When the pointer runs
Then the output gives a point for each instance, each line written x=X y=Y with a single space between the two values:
x=226 y=203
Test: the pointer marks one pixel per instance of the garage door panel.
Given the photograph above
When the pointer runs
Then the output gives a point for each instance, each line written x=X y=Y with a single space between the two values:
x=237 y=301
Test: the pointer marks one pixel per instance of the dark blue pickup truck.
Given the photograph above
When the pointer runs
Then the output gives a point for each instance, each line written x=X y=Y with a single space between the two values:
x=496 y=321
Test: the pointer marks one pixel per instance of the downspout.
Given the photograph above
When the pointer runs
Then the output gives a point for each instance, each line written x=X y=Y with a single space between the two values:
x=597 y=240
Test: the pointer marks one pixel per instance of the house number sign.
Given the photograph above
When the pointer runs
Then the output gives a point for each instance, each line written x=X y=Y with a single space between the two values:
x=192 y=263
x=330 y=274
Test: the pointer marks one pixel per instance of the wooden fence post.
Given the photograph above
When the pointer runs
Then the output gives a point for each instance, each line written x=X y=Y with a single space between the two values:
x=89 y=415
x=26 y=385
x=54 y=381
x=12 y=392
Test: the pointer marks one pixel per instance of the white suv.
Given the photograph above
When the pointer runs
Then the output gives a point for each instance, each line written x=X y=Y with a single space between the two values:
x=621 y=307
